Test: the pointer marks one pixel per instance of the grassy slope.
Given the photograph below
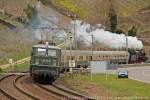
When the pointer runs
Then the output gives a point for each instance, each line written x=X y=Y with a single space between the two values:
x=120 y=87
x=125 y=86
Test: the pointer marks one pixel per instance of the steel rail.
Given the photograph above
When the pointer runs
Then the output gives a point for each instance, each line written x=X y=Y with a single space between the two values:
x=22 y=91
x=72 y=93
x=2 y=91
x=76 y=95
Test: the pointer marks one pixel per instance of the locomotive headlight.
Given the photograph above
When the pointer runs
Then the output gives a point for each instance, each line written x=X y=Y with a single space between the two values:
x=47 y=43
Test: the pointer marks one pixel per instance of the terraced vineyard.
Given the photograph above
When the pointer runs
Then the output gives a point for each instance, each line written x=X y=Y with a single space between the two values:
x=96 y=11
x=123 y=7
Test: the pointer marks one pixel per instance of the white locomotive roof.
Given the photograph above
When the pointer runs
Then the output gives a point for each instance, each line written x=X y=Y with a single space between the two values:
x=83 y=52
x=45 y=46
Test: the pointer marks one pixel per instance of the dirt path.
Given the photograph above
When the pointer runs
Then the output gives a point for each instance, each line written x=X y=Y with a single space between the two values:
x=18 y=63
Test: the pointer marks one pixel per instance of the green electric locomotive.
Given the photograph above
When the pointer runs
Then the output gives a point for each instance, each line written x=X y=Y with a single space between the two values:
x=45 y=62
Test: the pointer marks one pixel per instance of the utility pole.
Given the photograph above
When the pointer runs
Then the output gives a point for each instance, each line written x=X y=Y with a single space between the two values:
x=41 y=36
x=74 y=17
x=17 y=50
x=65 y=63
x=70 y=62
x=92 y=45
x=16 y=64
x=70 y=45
x=75 y=35
x=126 y=44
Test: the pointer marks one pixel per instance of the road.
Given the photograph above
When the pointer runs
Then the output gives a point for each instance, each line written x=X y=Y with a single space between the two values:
x=140 y=73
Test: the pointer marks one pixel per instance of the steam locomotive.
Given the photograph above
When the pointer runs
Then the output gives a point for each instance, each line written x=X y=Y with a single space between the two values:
x=136 y=56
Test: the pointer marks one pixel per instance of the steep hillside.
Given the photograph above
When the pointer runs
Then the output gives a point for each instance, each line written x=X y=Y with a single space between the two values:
x=96 y=11
x=14 y=39
x=15 y=11
x=101 y=7
x=15 y=7
x=130 y=12
x=16 y=42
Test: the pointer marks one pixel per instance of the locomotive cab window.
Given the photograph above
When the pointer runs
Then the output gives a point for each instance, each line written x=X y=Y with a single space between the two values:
x=52 y=53
x=45 y=55
x=46 y=52
x=41 y=52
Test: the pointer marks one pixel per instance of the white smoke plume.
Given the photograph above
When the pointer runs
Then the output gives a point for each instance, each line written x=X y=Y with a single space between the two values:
x=112 y=40
x=38 y=5
x=44 y=26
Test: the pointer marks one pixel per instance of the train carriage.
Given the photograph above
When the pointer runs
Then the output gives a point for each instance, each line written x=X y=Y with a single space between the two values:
x=117 y=57
x=83 y=56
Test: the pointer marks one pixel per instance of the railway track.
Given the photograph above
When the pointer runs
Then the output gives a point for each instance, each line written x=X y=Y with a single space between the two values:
x=9 y=89
x=78 y=95
x=54 y=91
x=18 y=87
x=25 y=83
x=64 y=93
x=21 y=87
